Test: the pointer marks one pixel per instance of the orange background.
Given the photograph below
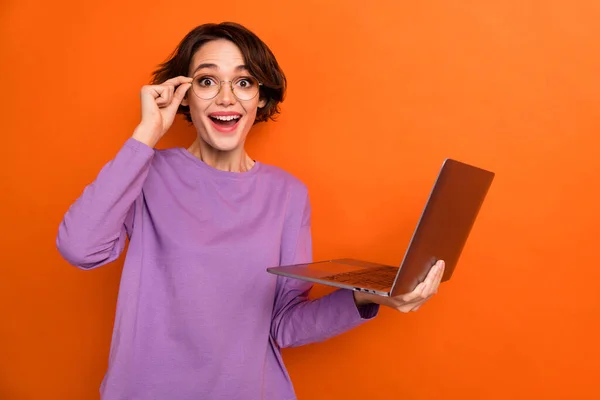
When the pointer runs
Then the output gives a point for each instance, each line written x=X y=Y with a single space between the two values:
x=380 y=92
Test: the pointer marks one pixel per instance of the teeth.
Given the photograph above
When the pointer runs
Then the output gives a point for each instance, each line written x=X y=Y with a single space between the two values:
x=226 y=118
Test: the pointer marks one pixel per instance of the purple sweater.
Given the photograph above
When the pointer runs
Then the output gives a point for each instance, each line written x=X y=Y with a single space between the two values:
x=198 y=317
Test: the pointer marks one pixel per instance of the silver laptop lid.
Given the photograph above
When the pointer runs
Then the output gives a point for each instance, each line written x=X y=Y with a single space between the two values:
x=445 y=224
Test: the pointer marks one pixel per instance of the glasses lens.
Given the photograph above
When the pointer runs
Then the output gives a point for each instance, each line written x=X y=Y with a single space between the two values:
x=205 y=87
x=245 y=88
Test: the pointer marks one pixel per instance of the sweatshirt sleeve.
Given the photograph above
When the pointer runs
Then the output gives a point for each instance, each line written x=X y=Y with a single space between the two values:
x=297 y=320
x=93 y=231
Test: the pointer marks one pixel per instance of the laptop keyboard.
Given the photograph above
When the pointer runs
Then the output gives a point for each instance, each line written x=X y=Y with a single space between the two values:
x=378 y=278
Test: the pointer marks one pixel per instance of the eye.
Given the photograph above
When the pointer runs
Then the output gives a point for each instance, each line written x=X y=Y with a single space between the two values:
x=206 y=81
x=245 y=83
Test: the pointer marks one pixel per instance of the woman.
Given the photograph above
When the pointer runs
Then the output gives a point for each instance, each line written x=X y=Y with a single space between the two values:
x=197 y=315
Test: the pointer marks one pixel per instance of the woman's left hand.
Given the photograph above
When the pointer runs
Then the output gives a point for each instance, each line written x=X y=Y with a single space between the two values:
x=410 y=301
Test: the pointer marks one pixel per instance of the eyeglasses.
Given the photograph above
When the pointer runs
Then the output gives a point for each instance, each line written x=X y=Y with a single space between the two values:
x=243 y=88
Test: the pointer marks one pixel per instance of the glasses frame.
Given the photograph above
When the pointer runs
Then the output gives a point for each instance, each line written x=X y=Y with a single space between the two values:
x=221 y=86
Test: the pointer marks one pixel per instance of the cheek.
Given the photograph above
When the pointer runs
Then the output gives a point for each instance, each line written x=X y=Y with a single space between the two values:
x=197 y=107
x=252 y=109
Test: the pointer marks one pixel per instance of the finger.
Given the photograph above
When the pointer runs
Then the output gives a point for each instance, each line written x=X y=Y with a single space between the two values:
x=433 y=279
x=155 y=91
x=166 y=95
x=440 y=274
x=149 y=94
x=162 y=99
x=415 y=295
x=178 y=80
x=406 y=308
x=179 y=95
x=424 y=290
x=416 y=302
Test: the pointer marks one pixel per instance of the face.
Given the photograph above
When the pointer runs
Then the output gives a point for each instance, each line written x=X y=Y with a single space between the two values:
x=223 y=122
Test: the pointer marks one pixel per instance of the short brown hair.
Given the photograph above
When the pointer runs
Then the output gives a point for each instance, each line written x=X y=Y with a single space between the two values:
x=258 y=57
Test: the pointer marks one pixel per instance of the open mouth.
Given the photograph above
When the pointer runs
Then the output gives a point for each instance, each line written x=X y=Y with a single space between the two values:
x=225 y=121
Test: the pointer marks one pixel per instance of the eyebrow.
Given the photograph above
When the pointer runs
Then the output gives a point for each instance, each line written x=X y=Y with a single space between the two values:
x=215 y=66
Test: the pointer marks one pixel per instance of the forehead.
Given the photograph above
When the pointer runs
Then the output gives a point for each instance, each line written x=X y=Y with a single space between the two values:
x=222 y=53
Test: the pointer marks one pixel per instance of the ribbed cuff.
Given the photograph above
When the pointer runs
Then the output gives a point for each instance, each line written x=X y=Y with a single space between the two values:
x=368 y=311
x=365 y=312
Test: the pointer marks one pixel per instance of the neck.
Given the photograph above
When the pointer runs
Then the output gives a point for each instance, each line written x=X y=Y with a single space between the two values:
x=236 y=160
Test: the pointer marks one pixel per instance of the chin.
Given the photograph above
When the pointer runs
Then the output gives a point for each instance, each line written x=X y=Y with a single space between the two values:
x=225 y=144
x=224 y=141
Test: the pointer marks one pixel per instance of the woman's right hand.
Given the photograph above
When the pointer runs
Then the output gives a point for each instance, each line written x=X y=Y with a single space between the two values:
x=159 y=107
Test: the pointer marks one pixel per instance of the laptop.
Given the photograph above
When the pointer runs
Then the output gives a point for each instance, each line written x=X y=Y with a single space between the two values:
x=441 y=234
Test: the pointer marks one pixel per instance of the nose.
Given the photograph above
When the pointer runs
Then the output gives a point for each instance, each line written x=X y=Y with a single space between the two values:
x=225 y=97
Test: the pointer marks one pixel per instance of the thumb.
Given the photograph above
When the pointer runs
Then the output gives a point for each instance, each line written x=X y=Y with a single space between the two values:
x=179 y=95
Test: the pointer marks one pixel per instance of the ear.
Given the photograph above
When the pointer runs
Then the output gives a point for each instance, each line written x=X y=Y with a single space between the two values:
x=261 y=103
x=185 y=101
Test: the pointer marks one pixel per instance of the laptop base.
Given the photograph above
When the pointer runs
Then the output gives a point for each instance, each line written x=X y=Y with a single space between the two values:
x=347 y=273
